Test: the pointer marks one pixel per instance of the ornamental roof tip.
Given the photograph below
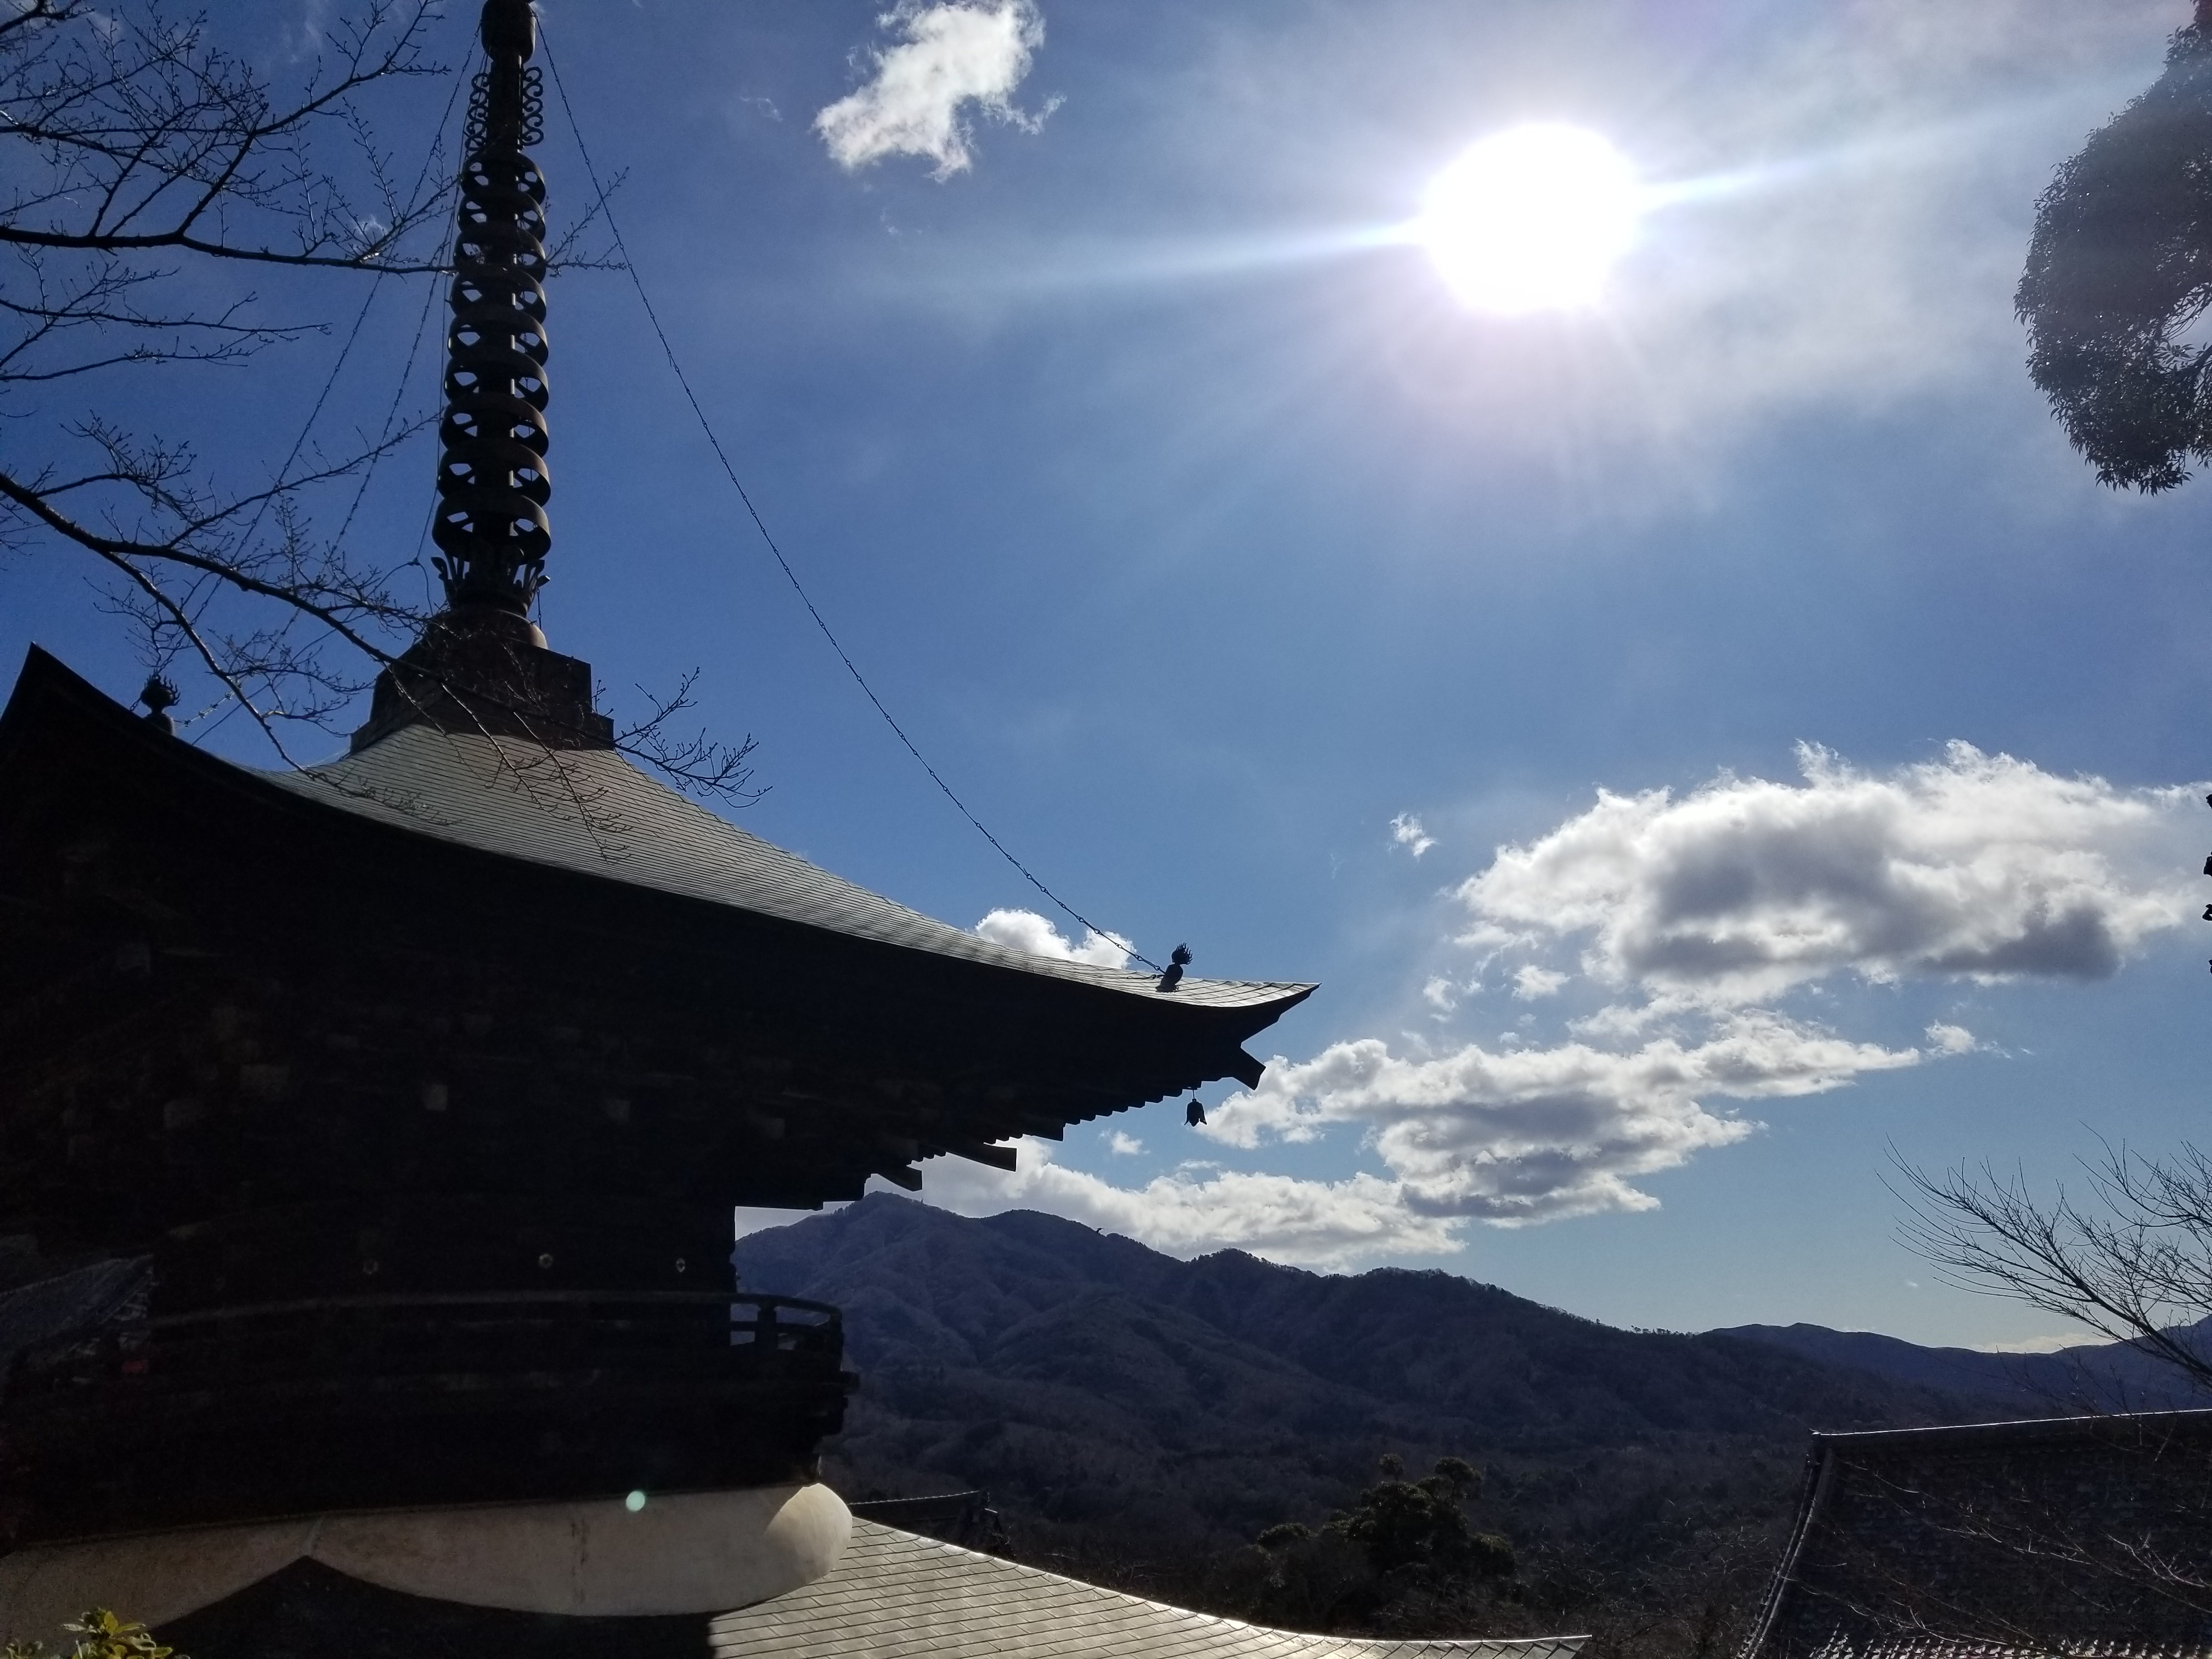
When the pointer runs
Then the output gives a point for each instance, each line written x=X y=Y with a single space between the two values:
x=591 y=811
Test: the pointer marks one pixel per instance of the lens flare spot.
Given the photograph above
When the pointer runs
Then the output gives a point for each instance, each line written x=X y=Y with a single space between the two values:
x=634 y=1502
x=1532 y=219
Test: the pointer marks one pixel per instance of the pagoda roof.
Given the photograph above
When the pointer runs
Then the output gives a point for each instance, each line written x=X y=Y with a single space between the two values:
x=548 y=950
x=593 y=811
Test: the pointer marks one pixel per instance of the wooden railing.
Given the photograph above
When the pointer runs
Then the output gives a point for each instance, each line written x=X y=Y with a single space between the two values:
x=502 y=1332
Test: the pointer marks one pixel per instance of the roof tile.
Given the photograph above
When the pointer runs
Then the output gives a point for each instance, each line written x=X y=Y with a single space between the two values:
x=896 y=1594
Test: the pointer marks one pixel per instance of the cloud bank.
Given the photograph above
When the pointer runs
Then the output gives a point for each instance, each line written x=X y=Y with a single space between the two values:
x=1692 y=915
x=1540 y=1135
x=948 y=58
x=1509 y=1139
x=1975 y=867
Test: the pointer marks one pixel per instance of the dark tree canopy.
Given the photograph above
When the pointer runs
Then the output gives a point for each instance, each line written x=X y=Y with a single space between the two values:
x=2119 y=271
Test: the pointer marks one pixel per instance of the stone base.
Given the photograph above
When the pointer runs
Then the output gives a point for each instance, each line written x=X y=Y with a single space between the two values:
x=691 y=1553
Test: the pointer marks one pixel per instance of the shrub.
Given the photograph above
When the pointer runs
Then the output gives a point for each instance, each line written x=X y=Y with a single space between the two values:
x=101 y=1635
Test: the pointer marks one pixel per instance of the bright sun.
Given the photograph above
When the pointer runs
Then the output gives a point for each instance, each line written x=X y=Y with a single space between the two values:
x=1533 y=219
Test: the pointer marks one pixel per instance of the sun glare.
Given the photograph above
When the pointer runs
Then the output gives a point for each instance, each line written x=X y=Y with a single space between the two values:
x=1533 y=219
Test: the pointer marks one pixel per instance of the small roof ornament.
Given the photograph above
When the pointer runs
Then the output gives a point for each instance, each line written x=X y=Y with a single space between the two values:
x=160 y=696
x=1176 y=963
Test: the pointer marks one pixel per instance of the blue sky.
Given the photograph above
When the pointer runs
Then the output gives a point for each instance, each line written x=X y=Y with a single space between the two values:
x=1702 y=743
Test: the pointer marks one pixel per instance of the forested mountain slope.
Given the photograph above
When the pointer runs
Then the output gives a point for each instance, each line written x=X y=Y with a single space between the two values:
x=1117 y=1400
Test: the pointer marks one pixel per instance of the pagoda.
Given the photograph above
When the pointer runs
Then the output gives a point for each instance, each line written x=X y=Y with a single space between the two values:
x=369 y=1134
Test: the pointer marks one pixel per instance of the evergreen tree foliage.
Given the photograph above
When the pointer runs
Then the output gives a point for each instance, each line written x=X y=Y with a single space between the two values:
x=1401 y=1523
x=2118 y=273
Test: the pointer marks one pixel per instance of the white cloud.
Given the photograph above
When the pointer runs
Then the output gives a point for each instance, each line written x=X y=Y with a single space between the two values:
x=1974 y=865
x=1510 y=1139
x=1951 y=1039
x=1323 y=1223
x=1537 y=1134
x=1406 y=830
x=948 y=56
x=1970 y=866
x=1123 y=1145
x=1025 y=930
x=1530 y=982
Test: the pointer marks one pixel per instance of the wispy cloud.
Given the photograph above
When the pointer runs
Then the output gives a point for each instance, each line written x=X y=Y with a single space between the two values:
x=1540 y=1134
x=1947 y=1039
x=1531 y=983
x=948 y=58
x=1406 y=830
x=1506 y=1139
x=1025 y=930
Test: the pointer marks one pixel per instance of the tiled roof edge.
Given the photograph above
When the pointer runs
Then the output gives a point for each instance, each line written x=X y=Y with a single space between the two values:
x=1451 y=1645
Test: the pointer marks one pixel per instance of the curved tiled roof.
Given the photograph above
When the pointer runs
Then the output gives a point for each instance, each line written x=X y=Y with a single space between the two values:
x=591 y=811
x=897 y=1593
x=1998 y=1541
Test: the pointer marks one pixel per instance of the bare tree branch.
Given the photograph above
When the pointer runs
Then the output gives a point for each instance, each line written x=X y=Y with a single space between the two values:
x=700 y=765
x=2134 y=1264
x=127 y=131
x=145 y=169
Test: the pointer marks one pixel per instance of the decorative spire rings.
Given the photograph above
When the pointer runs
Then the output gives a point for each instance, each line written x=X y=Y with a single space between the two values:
x=491 y=527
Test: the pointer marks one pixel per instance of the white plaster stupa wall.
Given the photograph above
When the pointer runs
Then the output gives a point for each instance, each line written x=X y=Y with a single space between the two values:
x=686 y=1553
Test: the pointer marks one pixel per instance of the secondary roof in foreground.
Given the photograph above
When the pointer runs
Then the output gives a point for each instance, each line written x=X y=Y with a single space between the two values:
x=892 y=1594
x=897 y=1592
x=2065 y=1535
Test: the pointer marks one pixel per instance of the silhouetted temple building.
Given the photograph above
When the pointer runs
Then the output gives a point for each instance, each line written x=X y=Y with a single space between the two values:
x=2078 y=1535
x=368 y=1134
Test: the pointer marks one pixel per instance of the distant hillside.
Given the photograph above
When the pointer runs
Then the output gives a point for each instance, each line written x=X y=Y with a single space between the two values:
x=1114 y=1399
x=2105 y=1376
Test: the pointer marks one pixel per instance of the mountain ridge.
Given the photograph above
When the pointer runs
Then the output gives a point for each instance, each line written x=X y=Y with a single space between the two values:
x=2096 y=1376
x=1139 y=1421
x=1104 y=1390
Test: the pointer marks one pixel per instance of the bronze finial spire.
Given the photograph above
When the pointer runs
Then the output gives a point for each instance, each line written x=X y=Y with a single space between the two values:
x=482 y=665
x=491 y=528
